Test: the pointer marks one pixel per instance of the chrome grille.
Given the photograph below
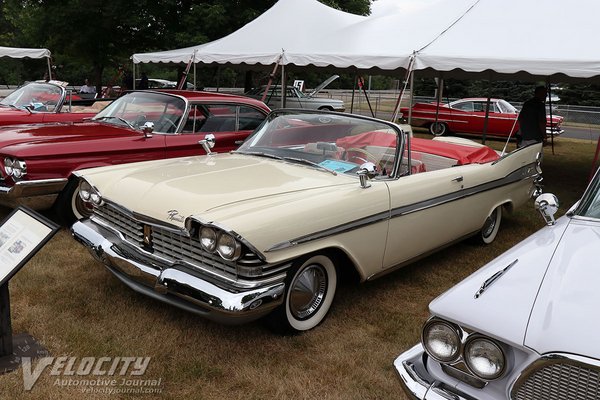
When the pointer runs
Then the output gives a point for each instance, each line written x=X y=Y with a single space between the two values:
x=171 y=245
x=560 y=380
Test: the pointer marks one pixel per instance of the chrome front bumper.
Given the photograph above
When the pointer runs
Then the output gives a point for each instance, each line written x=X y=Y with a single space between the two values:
x=38 y=194
x=176 y=285
x=416 y=380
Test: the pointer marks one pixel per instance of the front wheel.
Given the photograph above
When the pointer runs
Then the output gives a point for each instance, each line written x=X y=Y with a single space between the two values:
x=438 y=128
x=69 y=207
x=491 y=226
x=310 y=289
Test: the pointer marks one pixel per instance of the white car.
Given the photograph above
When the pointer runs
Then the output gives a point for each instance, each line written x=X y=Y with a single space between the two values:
x=297 y=99
x=523 y=327
x=269 y=227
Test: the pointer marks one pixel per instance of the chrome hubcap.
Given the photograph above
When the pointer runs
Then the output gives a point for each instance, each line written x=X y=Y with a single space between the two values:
x=307 y=291
x=490 y=223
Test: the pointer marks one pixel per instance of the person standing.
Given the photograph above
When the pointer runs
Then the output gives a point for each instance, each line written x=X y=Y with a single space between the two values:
x=143 y=82
x=532 y=119
x=86 y=88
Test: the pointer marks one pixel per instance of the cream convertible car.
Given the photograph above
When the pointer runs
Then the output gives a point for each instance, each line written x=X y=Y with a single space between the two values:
x=268 y=228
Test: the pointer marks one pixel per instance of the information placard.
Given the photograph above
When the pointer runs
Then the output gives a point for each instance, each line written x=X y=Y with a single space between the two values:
x=22 y=234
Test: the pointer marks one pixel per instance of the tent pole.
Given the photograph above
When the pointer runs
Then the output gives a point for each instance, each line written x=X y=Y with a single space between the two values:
x=270 y=81
x=409 y=71
x=438 y=97
x=133 y=73
x=49 y=68
x=412 y=86
x=487 y=112
x=353 y=90
x=283 y=86
x=550 y=105
x=195 y=87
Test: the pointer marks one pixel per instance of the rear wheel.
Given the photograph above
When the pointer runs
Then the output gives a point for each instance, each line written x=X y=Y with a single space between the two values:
x=491 y=226
x=310 y=289
x=438 y=128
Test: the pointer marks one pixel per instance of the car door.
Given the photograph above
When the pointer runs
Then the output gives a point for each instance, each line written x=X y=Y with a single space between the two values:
x=429 y=210
x=230 y=123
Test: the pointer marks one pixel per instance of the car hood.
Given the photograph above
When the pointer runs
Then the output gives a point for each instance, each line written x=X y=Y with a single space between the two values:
x=20 y=137
x=564 y=317
x=323 y=85
x=503 y=309
x=547 y=301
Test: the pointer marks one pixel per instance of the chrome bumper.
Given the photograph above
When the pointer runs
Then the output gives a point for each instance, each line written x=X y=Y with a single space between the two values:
x=39 y=194
x=417 y=382
x=176 y=285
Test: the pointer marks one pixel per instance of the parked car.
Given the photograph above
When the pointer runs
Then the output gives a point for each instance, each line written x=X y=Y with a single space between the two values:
x=155 y=83
x=36 y=161
x=468 y=116
x=307 y=197
x=45 y=102
x=523 y=326
x=297 y=99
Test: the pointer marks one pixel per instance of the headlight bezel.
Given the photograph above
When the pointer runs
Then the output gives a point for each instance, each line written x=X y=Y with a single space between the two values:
x=235 y=246
x=209 y=231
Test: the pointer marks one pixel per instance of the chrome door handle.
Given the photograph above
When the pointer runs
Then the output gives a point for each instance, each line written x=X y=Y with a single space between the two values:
x=458 y=179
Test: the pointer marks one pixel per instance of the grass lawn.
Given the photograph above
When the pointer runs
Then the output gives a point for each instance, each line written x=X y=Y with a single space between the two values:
x=76 y=308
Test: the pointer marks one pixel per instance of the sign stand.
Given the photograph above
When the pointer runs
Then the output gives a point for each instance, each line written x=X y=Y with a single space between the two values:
x=22 y=234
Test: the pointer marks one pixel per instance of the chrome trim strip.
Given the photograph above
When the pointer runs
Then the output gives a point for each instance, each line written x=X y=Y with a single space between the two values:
x=516 y=176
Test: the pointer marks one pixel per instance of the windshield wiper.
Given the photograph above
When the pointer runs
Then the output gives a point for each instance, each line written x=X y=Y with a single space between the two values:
x=308 y=162
x=118 y=118
x=258 y=153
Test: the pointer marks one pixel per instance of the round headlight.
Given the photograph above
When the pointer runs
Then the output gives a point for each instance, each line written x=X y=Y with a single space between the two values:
x=85 y=191
x=96 y=198
x=441 y=341
x=208 y=239
x=484 y=358
x=228 y=247
x=8 y=166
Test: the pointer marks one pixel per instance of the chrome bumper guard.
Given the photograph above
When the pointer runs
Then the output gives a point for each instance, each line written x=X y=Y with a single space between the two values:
x=416 y=381
x=175 y=285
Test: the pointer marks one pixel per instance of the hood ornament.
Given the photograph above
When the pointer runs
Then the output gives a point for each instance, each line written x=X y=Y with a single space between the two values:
x=488 y=282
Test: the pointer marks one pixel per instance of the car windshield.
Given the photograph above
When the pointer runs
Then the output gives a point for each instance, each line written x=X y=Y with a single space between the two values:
x=334 y=142
x=35 y=96
x=590 y=203
x=136 y=108
x=506 y=107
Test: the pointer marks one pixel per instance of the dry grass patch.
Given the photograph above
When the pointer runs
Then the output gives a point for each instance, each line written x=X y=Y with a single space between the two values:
x=76 y=308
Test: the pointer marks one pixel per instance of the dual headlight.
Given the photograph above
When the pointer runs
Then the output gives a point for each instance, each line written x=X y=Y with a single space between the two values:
x=443 y=341
x=90 y=194
x=214 y=240
x=14 y=168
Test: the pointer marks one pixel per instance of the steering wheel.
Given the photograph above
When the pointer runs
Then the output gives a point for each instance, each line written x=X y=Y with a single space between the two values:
x=369 y=157
x=166 y=121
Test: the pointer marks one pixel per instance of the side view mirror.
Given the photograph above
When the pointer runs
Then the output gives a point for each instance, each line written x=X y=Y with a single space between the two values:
x=148 y=128
x=366 y=171
x=547 y=205
x=208 y=143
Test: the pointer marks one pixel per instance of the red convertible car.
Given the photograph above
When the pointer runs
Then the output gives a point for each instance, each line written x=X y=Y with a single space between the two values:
x=42 y=102
x=468 y=115
x=36 y=161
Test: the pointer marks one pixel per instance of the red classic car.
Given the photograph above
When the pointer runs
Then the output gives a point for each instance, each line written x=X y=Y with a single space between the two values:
x=468 y=115
x=36 y=161
x=42 y=102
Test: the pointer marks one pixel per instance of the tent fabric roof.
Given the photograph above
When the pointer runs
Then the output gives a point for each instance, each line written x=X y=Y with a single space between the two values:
x=16 y=52
x=286 y=25
x=460 y=38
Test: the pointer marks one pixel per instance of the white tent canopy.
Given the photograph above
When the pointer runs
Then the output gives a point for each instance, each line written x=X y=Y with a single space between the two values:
x=483 y=38
x=267 y=39
x=520 y=38
x=16 y=52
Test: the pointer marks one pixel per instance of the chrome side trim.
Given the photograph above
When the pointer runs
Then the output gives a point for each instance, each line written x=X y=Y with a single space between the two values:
x=516 y=176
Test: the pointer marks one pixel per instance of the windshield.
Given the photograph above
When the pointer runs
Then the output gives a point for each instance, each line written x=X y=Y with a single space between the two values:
x=36 y=96
x=136 y=108
x=339 y=143
x=590 y=203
